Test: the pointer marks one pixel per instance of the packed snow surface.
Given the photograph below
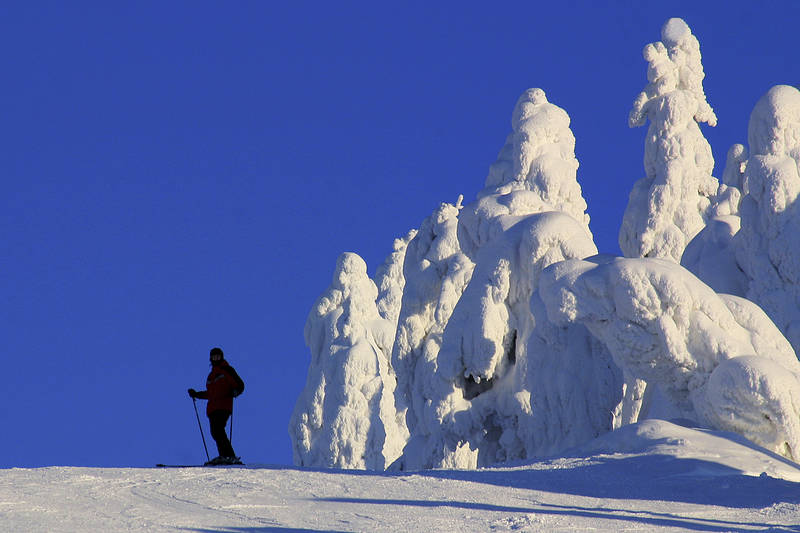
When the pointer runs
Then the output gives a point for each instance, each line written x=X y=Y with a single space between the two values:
x=651 y=476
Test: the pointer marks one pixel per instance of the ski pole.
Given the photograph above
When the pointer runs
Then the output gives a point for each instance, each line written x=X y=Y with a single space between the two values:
x=230 y=433
x=194 y=401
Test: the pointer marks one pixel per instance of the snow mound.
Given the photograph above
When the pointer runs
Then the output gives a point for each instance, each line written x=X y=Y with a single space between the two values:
x=725 y=452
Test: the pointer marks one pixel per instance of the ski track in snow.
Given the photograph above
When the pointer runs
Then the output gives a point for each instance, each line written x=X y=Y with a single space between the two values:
x=617 y=492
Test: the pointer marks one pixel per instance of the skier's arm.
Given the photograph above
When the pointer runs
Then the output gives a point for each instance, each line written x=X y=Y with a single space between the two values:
x=203 y=395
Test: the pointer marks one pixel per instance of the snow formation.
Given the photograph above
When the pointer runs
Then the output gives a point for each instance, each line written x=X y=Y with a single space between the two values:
x=345 y=416
x=717 y=358
x=669 y=206
x=495 y=332
x=768 y=245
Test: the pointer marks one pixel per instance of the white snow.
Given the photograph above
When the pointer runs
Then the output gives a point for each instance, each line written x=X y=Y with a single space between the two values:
x=670 y=205
x=768 y=247
x=345 y=416
x=535 y=171
x=652 y=476
x=718 y=358
x=436 y=273
x=460 y=352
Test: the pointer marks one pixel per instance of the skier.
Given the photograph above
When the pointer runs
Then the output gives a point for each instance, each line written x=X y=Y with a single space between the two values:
x=222 y=386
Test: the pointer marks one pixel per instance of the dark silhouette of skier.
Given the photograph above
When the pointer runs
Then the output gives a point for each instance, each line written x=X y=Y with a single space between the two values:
x=222 y=386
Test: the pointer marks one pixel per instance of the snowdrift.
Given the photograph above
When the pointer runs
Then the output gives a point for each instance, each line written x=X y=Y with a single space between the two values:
x=495 y=332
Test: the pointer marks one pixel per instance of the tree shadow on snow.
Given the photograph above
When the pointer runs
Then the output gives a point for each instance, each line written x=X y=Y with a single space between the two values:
x=648 y=477
x=660 y=477
x=648 y=518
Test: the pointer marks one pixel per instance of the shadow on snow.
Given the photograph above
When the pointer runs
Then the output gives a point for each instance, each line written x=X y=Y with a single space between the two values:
x=638 y=477
x=649 y=477
x=648 y=518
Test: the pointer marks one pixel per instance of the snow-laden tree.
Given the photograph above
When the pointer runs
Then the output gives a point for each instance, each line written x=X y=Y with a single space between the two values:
x=535 y=171
x=436 y=273
x=759 y=195
x=510 y=338
x=729 y=194
x=477 y=406
x=390 y=281
x=718 y=358
x=670 y=205
x=345 y=417
x=711 y=254
x=768 y=245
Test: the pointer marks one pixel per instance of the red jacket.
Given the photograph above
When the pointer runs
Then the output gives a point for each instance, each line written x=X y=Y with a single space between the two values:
x=222 y=386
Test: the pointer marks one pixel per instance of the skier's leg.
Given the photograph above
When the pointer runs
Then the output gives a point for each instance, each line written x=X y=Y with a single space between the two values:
x=218 y=420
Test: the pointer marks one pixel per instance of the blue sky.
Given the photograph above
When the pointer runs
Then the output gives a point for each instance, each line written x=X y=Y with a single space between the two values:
x=183 y=175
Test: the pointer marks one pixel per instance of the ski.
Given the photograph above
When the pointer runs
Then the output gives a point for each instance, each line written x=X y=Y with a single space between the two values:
x=162 y=465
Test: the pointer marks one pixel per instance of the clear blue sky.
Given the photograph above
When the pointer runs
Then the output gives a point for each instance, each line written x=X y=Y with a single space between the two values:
x=182 y=175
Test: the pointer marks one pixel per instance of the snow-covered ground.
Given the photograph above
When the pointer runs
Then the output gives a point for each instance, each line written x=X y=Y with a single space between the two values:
x=650 y=476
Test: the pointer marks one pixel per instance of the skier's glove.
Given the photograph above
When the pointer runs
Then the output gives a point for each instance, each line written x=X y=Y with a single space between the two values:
x=192 y=393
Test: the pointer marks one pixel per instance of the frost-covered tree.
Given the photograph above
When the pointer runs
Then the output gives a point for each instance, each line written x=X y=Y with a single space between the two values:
x=436 y=273
x=711 y=254
x=479 y=393
x=729 y=194
x=718 y=358
x=535 y=171
x=390 y=281
x=475 y=406
x=670 y=205
x=496 y=332
x=345 y=416
x=768 y=245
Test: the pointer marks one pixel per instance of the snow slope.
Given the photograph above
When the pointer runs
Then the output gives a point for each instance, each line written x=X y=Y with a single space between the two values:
x=651 y=476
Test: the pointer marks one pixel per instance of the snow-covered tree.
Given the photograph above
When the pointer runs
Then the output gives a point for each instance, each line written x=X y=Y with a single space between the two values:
x=670 y=205
x=345 y=416
x=390 y=281
x=768 y=245
x=535 y=171
x=436 y=273
x=718 y=358
x=711 y=254
x=496 y=333
x=475 y=407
